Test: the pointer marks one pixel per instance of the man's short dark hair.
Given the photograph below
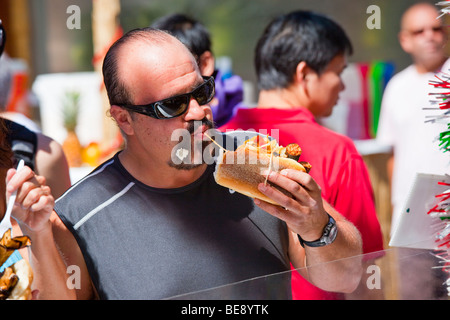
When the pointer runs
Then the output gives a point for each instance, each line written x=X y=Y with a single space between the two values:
x=189 y=31
x=293 y=38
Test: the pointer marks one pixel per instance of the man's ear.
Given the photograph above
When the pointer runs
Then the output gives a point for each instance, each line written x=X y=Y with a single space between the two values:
x=302 y=73
x=206 y=63
x=123 y=119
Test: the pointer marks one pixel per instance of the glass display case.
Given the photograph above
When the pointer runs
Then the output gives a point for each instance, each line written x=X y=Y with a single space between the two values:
x=391 y=274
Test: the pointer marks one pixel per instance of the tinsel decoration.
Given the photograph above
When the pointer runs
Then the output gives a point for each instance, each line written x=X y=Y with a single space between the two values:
x=441 y=102
x=445 y=10
x=441 y=211
x=444 y=137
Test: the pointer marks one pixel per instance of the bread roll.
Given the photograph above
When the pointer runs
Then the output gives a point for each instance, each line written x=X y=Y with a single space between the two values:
x=242 y=170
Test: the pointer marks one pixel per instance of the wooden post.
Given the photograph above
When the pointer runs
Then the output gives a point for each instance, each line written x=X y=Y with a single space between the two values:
x=105 y=30
x=17 y=24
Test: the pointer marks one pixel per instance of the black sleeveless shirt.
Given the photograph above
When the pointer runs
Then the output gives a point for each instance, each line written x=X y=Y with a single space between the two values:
x=141 y=242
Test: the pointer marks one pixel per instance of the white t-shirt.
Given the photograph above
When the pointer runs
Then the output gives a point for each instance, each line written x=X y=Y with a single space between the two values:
x=402 y=126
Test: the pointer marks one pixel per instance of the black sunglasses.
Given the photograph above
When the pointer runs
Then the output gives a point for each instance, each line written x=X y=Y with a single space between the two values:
x=2 y=38
x=177 y=105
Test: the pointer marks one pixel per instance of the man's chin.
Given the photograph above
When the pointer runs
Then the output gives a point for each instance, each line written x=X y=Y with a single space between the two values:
x=189 y=161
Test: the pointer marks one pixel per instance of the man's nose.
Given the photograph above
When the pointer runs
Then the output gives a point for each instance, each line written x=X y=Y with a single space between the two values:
x=428 y=32
x=195 y=111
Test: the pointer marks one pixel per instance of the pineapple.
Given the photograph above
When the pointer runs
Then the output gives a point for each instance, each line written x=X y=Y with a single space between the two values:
x=71 y=145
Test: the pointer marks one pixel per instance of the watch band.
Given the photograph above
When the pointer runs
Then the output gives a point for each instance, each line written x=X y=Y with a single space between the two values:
x=328 y=236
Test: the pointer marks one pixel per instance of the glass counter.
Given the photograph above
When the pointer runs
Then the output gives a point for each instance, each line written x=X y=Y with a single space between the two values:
x=391 y=274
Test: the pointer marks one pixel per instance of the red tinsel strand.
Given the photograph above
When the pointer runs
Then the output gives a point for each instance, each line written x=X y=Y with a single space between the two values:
x=446 y=244
x=444 y=105
x=441 y=84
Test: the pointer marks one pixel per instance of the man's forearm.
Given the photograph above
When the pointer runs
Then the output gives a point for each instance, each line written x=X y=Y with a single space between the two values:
x=49 y=269
x=337 y=266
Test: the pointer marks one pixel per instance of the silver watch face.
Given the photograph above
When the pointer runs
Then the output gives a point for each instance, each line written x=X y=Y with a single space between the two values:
x=328 y=236
x=331 y=236
x=330 y=232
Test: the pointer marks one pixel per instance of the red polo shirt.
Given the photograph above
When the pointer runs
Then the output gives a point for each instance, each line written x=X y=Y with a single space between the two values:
x=336 y=166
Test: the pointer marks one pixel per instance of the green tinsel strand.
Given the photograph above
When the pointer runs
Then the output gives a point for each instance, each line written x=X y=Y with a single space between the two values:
x=444 y=137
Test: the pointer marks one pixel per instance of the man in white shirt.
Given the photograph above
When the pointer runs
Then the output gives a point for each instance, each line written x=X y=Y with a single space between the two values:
x=415 y=143
x=402 y=121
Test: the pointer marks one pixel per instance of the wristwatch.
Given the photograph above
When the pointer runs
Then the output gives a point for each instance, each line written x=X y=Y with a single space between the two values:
x=328 y=236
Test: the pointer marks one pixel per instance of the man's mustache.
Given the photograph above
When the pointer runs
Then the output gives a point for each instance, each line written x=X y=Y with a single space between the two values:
x=194 y=124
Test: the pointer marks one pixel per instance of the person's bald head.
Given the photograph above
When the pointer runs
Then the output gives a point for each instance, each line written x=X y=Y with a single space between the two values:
x=417 y=11
x=138 y=53
x=422 y=35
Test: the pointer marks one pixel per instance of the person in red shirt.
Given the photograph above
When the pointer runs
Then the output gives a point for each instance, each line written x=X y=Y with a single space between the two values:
x=299 y=60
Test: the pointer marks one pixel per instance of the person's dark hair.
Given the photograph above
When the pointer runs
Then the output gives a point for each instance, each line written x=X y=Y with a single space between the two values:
x=189 y=31
x=293 y=38
x=115 y=87
x=2 y=37
x=6 y=154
